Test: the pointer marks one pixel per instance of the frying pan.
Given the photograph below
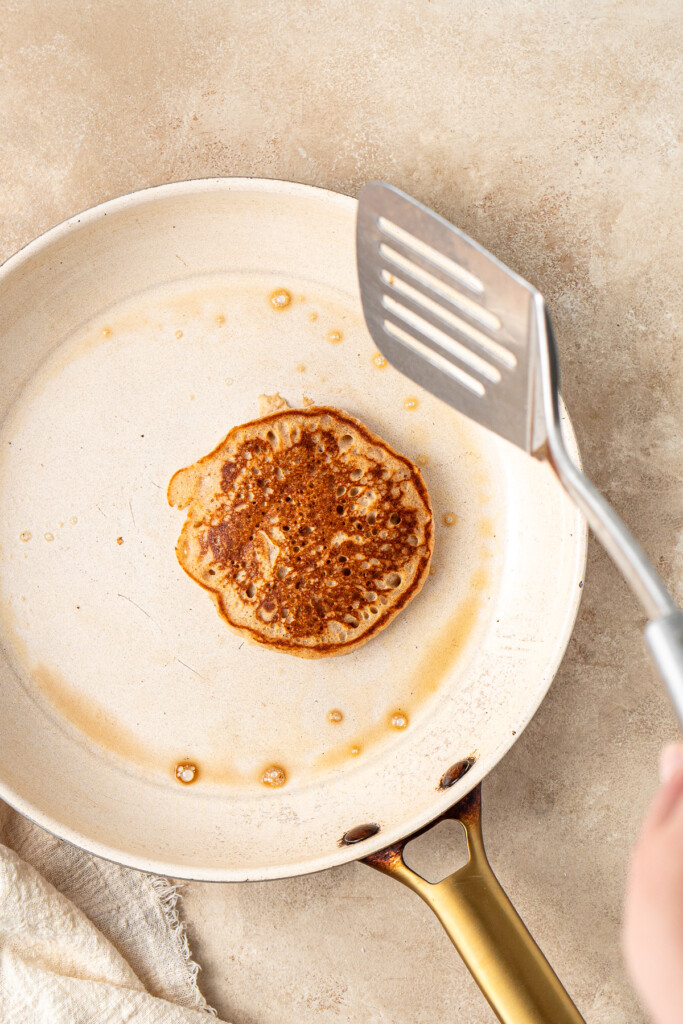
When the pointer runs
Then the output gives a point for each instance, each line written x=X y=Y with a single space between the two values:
x=132 y=338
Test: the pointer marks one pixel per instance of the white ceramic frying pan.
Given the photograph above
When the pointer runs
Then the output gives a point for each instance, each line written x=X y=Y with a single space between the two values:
x=132 y=338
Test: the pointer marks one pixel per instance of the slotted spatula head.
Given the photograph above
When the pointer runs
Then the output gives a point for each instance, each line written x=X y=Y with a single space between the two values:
x=449 y=315
x=453 y=318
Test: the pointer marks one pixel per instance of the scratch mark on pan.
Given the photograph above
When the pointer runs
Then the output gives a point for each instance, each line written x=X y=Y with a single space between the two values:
x=130 y=506
x=140 y=608
x=190 y=668
x=100 y=510
x=181 y=259
x=155 y=484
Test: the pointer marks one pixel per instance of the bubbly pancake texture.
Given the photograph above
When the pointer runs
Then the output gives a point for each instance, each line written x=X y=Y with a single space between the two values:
x=310 y=532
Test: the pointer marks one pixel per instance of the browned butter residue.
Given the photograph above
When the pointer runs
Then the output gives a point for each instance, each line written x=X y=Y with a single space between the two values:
x=92 y=720
x=334 y=756
x=274 y=776
x=218 y=771
x=280 y=298
x=479 y=579
x=340 y=753
x=439 y=658
x=487 y=528
x=186 y=773
x=443 y=653
x=99 y=726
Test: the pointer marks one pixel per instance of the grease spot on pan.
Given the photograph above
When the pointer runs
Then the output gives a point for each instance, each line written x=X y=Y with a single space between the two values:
x=92 y=720
x=280 y=298
x=487 y=528
x=186 y=773
x=274 y=776
x=445 y=650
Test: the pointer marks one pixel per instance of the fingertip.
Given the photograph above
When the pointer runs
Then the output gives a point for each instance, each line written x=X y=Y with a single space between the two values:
x=670 y=793
x=670 y=761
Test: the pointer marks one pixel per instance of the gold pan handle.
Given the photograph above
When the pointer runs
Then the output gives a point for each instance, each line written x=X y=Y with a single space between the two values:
x=488 y=933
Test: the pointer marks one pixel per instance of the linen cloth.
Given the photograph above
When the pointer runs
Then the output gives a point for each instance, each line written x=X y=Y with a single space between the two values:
x=86 y=941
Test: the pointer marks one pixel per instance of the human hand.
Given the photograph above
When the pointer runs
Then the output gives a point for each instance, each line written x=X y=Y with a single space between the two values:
x=653 y=918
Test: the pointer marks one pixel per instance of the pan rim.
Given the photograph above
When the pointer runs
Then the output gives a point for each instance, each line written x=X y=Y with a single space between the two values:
x=449 y=797
x=131 y=199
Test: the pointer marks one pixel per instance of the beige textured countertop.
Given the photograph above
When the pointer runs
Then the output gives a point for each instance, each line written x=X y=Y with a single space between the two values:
x=547 y=130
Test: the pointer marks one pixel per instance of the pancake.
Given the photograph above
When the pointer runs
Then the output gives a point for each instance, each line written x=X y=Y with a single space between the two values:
x=309 y=531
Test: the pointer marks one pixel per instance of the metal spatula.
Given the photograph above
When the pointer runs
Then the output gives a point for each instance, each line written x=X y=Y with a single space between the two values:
x=454 y=319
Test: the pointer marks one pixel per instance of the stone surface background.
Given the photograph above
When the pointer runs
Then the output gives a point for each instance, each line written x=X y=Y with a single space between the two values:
x=551 y=132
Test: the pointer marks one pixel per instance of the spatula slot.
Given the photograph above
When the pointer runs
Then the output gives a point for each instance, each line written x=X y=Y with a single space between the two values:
x=445 y=341
x=415 y=296
x=387 y=227
x=435 y=284
x=438 y=361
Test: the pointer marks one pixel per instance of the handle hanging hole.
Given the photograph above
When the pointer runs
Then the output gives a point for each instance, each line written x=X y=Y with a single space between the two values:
x=439 y=852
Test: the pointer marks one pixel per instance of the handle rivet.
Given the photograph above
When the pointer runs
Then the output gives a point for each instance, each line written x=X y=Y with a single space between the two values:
x=456 y=772
x=359 y=833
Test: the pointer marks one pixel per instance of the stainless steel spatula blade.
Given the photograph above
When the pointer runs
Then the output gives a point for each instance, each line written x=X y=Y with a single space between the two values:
x=447 y=314
x=457 y=321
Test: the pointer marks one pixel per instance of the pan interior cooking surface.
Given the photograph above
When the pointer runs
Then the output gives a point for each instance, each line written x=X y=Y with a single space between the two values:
x=104 y=625
x=137 y=724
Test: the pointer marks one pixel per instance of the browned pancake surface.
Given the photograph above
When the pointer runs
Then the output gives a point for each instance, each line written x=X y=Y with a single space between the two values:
x=309 y=530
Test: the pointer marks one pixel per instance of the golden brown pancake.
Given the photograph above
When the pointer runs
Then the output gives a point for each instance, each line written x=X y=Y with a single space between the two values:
x=310 y=532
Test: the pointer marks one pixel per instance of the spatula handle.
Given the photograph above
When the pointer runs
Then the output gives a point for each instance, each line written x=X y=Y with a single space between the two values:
x=507 y=965
x=665 y=632
x=665 y=637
